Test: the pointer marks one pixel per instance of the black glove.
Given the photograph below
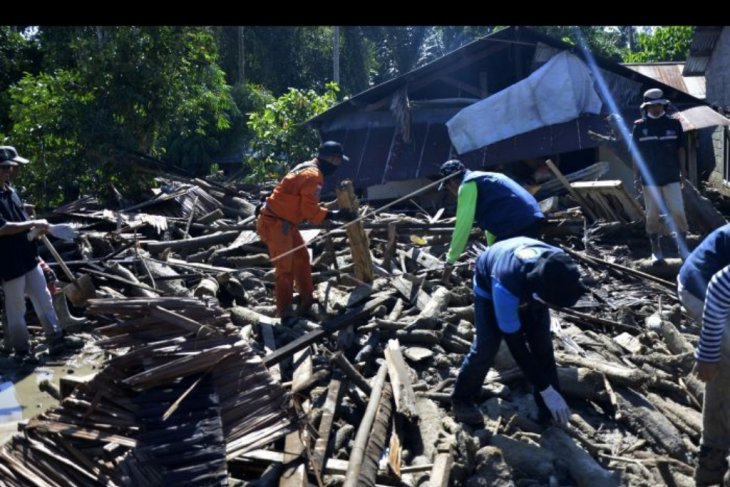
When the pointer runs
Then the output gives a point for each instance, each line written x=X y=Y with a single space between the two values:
x=340 y=215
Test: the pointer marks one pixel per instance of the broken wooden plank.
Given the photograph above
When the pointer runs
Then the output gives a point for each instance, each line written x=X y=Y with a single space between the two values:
x=609 y=200
x=325 y=424
x=405 y=398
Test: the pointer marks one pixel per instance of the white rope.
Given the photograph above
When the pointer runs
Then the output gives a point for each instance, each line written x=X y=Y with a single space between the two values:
x=371 y=213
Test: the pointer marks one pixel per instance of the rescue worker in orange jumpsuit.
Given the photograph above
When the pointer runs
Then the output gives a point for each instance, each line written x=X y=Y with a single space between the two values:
x=294 y=200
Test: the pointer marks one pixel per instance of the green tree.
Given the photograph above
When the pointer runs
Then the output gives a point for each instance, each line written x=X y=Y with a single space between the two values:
x=669 y=43
x=123 y=91
x=601 y=40
x=280 y=137
x=18 y=55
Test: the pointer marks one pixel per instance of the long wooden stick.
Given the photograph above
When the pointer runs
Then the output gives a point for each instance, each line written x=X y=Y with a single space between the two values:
x=363 y=433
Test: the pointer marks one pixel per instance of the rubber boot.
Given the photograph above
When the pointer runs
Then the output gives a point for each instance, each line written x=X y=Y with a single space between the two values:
x=656 y=248
x=711 y=466
x=681 y=240
x=305 y=304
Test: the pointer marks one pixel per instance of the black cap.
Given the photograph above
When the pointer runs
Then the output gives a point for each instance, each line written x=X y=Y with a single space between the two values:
x=332 y=148
x=448 y=168
x=557 y=280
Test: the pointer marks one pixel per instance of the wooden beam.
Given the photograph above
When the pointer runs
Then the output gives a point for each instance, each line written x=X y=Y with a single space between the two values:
x=356 y=237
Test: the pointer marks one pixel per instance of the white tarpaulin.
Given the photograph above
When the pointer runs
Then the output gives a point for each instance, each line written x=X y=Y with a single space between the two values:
x=557 y=92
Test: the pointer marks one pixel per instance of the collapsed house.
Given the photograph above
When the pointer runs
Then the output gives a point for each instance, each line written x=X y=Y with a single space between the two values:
x=543 y=98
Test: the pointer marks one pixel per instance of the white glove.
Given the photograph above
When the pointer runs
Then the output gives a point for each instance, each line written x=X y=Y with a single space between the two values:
x=39 y=227
x=556 y=404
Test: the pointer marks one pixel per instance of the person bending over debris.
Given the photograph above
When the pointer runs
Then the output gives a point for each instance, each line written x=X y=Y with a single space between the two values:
x=658 y=139
x=513 y=280
x=499 y=205
x=20 y=270
x=294 y=200
x=703 y=286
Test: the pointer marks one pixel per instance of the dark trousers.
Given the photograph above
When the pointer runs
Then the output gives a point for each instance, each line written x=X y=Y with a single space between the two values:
x=534 y=333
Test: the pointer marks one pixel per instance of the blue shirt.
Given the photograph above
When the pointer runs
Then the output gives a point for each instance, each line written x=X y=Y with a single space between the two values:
x=503 y=206
x=501 y=275
x=705 y=261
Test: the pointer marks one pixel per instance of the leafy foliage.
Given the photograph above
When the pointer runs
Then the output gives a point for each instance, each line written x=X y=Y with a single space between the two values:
x=669 y=43
x=125 y=91
x=18 y=55
x=280 y=137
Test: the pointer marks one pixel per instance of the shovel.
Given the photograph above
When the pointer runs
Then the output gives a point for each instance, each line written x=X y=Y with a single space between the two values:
x=79 y=290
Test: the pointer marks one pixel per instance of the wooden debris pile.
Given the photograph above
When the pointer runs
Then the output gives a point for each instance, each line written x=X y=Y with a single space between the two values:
x=186 y=396
x=368 y=370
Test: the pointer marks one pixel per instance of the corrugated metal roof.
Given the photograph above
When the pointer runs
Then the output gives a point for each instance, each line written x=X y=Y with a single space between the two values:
x=703 y=42
x=700 y=117
x=671 y=74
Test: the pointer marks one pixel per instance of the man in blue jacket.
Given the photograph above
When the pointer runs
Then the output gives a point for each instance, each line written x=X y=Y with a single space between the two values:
x=704 y=290
x=499 y=205
x=513 y=280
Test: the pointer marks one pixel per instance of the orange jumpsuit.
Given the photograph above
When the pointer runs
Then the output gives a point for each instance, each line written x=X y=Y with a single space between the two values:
x=294 y=200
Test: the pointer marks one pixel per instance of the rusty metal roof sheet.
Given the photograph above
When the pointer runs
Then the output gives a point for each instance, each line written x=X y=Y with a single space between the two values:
x=670 y=73
x=701 y=117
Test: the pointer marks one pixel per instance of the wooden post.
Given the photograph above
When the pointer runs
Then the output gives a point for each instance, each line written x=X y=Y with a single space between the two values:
x=358 y=240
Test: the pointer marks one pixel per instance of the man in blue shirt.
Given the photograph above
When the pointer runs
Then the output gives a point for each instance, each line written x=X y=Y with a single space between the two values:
x=703 y=285
x=499 y=205
x=513 y=279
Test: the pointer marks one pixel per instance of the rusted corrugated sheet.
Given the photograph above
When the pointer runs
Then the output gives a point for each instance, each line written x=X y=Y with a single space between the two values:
x=703 y=42
x=700 y=117
x=671 y=74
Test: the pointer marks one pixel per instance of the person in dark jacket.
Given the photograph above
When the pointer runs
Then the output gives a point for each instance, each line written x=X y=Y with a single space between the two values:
x=513 y=279
x=703 y=286
x=499 y=205
x=659 y=141
x=20 y=269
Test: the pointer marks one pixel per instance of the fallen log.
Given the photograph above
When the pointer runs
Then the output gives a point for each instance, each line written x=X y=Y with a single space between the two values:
x=639 y=414
x=582 y=467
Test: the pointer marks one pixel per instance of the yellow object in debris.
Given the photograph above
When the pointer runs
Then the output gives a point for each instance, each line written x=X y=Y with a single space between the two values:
x=418 y=240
